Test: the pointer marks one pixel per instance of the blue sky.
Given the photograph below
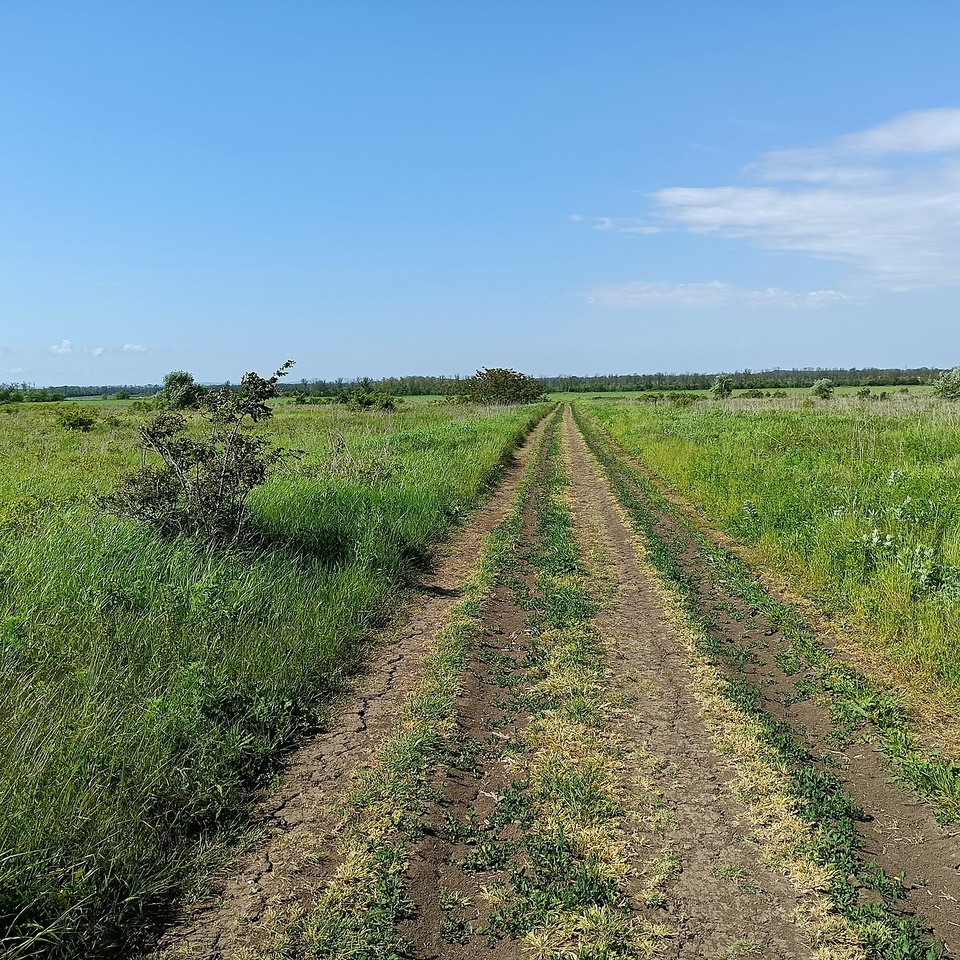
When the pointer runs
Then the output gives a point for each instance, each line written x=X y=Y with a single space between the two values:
x=381 y=188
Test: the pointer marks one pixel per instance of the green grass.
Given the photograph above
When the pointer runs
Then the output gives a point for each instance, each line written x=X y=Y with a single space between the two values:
x=856 y=505
x=147 y=684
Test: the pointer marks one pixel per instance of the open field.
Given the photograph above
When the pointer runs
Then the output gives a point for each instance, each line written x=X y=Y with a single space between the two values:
x=600 y=727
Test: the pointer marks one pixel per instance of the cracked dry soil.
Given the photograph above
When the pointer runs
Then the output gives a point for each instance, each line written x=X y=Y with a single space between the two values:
x=267 y=888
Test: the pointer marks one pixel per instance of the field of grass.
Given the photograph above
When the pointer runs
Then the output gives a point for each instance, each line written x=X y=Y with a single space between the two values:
x=856 y=505
x=146 y=684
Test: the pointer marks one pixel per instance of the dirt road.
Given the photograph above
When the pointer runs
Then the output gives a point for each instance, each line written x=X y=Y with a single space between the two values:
x=557 y=758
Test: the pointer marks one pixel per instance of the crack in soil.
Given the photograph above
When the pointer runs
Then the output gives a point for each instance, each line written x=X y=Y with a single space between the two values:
x=271 y=886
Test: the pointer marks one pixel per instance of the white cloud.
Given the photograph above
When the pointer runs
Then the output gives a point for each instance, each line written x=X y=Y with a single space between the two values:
x=659 y=293
x=885 y=200
x=133 y=348
x=63 y=347
x=623 y=225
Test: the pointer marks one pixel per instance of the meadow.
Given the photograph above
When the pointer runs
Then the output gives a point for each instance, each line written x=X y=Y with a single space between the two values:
x=855 y=504
x=148 y=684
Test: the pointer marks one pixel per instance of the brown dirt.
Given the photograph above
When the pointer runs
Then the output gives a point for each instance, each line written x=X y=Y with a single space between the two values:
x=899 y=832
x=441 y=869
x=722 y=900
x=267 y=888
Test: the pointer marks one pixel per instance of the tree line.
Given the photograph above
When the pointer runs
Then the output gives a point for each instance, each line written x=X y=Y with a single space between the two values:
x=413 y=386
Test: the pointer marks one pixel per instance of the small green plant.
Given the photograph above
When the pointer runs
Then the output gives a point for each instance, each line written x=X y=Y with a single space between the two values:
x=201 y=486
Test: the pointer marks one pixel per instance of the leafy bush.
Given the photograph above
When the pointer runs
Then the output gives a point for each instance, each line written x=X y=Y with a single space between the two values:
x=368 y=399
x=947 y=385
x=823 y=389
x=502 y=385
x=77 y=418
x=180 y=392
x=722 y=387
x=201 y=486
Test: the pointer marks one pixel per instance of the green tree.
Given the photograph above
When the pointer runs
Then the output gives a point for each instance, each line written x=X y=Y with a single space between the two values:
x=180 y=391
x=722 y=386
x=501 y=385
x=947 y=385
x=822 y=389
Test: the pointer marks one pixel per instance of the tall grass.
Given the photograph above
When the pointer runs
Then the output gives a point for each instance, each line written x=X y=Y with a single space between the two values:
x=146 y=685
x=857 y=504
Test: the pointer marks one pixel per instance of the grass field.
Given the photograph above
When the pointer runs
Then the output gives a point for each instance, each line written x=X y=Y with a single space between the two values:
x=856 y=504
x=147 y=684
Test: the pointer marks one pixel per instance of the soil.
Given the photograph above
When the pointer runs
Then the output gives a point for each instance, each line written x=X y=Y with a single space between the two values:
x=722 y=900
x=269 y=886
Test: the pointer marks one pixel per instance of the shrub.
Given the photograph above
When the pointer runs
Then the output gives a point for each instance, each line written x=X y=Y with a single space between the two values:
x=200 y=487
x=77 y=418
x=502 y=385
x=822 y=389
x=947 y=385
x=180 y=392
x=722 y=387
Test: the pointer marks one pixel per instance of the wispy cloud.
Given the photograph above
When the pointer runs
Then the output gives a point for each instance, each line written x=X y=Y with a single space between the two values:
x=659 y=293
x=885 y=199
x=623 y=225
x=68 y=347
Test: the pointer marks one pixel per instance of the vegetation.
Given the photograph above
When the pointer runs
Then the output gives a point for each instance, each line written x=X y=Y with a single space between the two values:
x=146 y=683
x=947 y=385
x=722 y=386
x=180 y=392
x=823 y=389
x=858 y=506
x=499 y=385
x=201 y=485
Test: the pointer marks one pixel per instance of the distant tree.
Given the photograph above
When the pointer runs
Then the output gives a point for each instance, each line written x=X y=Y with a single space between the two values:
x=502 y=385
x=947 y=385
x=722 y=386
x=822 y=389
x=180 y=392
x=122 y=395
